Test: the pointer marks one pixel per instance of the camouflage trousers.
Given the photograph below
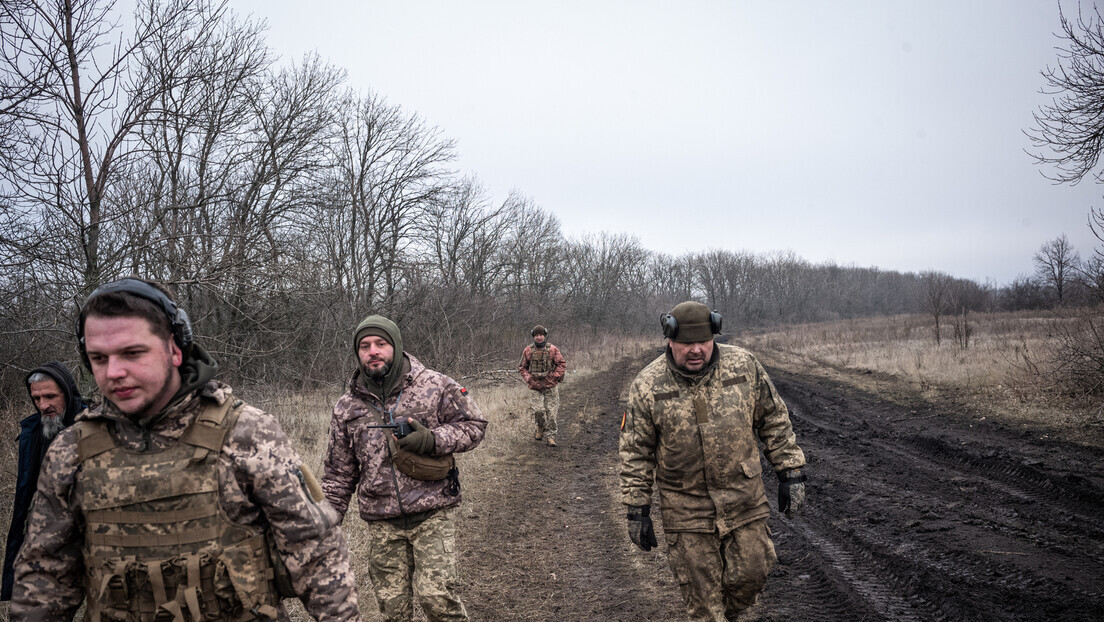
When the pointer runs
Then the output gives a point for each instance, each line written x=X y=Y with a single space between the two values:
x=417 y=561
x=720 y=576
x=545 y=405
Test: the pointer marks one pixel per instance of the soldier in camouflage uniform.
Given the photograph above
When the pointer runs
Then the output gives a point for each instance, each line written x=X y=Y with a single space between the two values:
x=411 y=531
x=694 y=417
x=173 y=500
x=542 y=367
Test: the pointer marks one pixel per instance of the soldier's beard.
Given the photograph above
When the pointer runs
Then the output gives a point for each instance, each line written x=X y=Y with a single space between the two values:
x=379 y=374
x=51 y=426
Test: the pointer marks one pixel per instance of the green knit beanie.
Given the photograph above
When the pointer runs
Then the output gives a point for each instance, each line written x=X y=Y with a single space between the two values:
x=693 y=322
x=381 y=327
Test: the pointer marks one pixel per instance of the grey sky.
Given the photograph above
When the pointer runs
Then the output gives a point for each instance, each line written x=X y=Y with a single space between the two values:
x=883 y=134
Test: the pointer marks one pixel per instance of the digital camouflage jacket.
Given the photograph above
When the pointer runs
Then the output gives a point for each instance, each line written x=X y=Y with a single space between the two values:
x=696 y=439
x=259 y=485
x=544 y=379
x=358 y=457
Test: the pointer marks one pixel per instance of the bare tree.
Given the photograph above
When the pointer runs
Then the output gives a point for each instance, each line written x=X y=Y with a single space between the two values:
x=79 y=90
x=937 y=291
x=1056 y=265
x=1092 y=270
x=1069 y=132
x=390 y=169
x=964 y=297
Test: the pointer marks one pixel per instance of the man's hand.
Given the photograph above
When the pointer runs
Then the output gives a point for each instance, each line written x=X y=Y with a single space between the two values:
x=420 y=441
x=641 y=531
x=791 y=491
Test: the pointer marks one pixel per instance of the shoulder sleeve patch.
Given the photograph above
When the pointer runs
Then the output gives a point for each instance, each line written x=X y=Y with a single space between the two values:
x=463 y=391
x=666 y=396
x=728 y=382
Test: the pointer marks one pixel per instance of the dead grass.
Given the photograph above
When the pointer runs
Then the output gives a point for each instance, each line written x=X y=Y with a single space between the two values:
x=1004 y=349
x=1003 y=373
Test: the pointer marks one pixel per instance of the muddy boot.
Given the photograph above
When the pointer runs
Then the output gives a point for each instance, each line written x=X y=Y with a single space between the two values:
x=552 y=442
x=538 y=434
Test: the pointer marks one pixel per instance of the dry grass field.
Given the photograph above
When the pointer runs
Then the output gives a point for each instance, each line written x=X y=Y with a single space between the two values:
x=1003 y=373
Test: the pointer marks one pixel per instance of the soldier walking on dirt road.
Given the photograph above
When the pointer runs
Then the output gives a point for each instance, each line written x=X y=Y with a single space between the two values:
x=171 y=499
x=542 y=366
x=693 y=419
x=392 y=436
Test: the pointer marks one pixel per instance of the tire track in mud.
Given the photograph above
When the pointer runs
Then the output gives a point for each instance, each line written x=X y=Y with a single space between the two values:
x=937 y=460
x=862 y=578
x=953 y=533
x=1011 y=479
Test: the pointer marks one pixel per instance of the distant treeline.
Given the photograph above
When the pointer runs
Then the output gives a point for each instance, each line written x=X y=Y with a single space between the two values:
x=283 y=207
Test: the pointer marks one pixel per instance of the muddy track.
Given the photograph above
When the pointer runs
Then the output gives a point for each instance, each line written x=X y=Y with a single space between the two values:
x=920 y=513
x=916 y=512
x=553 y=545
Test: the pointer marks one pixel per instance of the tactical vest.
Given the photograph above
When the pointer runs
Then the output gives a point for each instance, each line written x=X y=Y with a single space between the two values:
x=157 y=544
x=540 y=360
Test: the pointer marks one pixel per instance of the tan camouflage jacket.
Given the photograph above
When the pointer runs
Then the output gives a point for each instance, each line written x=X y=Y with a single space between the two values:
x=698 y=441
x=259 y=483
x=553 y=378
x=358 y=457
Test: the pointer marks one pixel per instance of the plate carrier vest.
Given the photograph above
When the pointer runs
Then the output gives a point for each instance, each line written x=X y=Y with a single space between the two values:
x=540 y=360
x=157 y=544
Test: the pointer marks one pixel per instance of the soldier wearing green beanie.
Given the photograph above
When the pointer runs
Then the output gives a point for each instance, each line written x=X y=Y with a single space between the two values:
x=407 y=485
x=708 y=405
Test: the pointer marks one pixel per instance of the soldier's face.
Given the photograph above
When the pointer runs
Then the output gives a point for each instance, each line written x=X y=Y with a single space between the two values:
x=135 y=368
x=692 y=356
x=48 y=398
x=376 y=355
x=538 y=338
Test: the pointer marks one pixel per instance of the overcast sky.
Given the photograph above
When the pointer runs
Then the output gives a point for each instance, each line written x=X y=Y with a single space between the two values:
x=885 y=134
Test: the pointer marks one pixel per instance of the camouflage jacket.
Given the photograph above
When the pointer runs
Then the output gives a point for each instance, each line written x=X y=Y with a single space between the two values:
x=358 y=457
x=259 y=484
x=697 y=439
x=552 y=378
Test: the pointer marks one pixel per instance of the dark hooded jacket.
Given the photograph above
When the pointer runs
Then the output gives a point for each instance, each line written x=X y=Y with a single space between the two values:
x=32 y=447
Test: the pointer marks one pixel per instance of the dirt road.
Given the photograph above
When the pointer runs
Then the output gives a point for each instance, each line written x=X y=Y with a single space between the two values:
x=914 y=512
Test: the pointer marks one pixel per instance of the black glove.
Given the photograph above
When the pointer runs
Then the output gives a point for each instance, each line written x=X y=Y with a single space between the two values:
x=420 y=441
x=791 y=491
x=641 y=531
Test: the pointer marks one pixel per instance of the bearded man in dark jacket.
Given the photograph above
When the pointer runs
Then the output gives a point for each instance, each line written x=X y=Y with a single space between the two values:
x=57 y=401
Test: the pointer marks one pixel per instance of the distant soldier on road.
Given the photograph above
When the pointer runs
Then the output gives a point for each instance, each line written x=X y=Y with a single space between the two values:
x=694 y=417
x=406 y=480
x=543 y=367
x=173 y=499
x=57 y=400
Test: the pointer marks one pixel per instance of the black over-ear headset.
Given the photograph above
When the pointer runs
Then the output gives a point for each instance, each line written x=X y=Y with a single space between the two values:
x=671 y=326
x=179 y=323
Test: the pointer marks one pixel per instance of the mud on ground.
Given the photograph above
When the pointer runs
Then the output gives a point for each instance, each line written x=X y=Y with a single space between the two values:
x=916 y=511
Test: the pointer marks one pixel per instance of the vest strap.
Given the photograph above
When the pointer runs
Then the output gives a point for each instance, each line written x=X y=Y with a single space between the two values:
x=157 y=582
x=207 y=430
x=152 y=540
x=191 y=593
x=94 y=440
x=172 y=607
x=159 y=518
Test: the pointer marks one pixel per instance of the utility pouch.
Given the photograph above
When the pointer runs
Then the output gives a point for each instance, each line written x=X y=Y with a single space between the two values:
x=428 y=468
x=421 y=467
